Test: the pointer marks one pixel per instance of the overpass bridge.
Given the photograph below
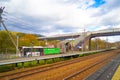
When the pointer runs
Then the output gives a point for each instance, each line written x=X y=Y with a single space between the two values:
x=81 y=38
x=88 y=35
x=61 y=36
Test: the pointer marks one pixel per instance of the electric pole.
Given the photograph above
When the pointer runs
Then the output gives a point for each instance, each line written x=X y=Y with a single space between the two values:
x=2 y=22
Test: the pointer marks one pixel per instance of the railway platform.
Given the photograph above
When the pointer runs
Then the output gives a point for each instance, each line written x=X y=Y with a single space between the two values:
x=27 y=59
x=108 y=72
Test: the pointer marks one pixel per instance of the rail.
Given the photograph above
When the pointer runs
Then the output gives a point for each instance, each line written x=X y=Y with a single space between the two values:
x=86 y=68
x=44 y=68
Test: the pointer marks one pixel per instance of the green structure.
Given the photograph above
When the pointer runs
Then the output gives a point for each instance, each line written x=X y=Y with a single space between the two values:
x=51 y=51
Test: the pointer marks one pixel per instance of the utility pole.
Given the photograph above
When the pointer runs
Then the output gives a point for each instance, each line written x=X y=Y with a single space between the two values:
x=83 y=42
x=106 y=42
x=96 y=45
x=72 y=43
x=17 y=51
x=2 y=22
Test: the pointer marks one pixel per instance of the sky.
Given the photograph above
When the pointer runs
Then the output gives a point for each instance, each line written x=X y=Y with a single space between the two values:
x=51 y=17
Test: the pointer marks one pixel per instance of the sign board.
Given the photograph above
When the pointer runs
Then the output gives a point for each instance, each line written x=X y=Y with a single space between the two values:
x=51 y=51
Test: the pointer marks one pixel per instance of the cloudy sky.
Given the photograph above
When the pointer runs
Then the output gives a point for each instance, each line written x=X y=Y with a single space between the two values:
x=50 y=17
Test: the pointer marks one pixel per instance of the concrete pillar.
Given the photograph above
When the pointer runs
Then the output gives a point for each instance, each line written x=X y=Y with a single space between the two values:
x=89 y=44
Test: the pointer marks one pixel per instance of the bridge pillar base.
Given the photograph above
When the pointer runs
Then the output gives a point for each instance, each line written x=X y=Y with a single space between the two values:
x=89 y=44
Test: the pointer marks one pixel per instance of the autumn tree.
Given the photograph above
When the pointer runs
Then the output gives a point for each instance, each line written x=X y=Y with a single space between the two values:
x=6 y=44
x=53 y=42
x=42 y=43
x=99 y=44
x=28 y=40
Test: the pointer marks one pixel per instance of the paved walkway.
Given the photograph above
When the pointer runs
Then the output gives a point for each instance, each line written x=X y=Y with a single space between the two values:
x=107 y=71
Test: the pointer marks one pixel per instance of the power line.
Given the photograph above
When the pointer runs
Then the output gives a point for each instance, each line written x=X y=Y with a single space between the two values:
x=9 y=34
x=0 y=27
x=14 y=19
x=19 y=19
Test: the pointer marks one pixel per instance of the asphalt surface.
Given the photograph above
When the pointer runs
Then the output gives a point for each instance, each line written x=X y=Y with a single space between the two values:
x=107 y=71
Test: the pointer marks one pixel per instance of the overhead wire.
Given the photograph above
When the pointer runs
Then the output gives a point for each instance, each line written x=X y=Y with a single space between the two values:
x=20 y=21
x=0 y=27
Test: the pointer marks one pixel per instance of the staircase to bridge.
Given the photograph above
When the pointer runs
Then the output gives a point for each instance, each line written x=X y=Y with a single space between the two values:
x=81 y=38
x=79 y=41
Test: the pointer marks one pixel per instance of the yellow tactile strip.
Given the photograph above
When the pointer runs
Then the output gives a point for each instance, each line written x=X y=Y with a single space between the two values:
x=116 y=76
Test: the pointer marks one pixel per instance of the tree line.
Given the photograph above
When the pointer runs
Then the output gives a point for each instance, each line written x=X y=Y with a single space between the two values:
x=24 y=39
x=6 y=45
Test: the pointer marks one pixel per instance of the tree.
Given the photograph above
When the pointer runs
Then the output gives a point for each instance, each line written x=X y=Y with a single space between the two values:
x=5 y=43
x=100 y=44
x=28 y=39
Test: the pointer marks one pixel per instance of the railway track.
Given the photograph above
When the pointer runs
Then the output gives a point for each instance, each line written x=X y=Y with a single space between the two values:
x=77 y=74
x=107 y=71
x=20 y=75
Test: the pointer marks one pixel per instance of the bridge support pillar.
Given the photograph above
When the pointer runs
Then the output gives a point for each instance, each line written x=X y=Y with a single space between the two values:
x=89 y=44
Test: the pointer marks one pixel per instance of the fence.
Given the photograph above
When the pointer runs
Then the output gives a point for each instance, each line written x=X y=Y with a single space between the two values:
x=8 y=56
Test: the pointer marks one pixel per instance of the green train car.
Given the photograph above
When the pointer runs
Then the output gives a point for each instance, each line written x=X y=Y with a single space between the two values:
x=38 y=51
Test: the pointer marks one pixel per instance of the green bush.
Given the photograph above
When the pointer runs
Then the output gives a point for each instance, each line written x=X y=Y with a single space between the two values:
x=5 y=68
x=49 y=61
x=57 y=59
x=81 y=55
x=42 y=62
x=34 y=63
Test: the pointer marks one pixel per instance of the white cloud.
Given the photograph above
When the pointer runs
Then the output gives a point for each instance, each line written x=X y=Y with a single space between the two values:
x=65 y=14
x=72 y=14
x=111 y=38
x=53 y=33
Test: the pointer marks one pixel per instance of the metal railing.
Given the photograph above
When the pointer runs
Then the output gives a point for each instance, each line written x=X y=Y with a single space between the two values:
x=107 y=31
x=86 y=34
